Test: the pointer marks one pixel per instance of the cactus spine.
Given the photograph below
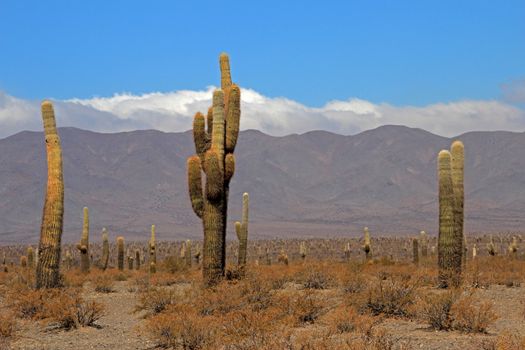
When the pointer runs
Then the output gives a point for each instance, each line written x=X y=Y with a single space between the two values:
x=366 y=246
x=105 y=250
x=241 y=228
x=152 y=252
x=48 y=265
x=449 y=250
x=215 y=158
x=120 y=253
x=83 y=246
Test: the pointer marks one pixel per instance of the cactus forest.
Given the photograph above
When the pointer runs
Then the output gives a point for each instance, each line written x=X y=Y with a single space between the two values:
x=343 y=176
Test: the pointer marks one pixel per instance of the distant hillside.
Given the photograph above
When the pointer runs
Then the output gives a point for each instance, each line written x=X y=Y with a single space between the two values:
x=315 y=184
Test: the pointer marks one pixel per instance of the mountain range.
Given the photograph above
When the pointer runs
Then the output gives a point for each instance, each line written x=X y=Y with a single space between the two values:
x=314 y=184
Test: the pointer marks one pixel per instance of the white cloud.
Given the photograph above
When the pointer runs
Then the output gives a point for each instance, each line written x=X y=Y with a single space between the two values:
x=173 y=111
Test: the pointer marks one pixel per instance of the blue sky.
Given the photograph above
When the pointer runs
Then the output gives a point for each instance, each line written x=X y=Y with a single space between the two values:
x=397 y=52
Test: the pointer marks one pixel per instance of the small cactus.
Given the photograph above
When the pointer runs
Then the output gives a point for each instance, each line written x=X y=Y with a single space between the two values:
x=152 y=249
x=23 y=261
x=241 y=228
x=188 y=256
x=137 y=259
x=68 y=261
x=120 y=253
x=513 y=247
x=283 y=257
x=366 y=246
x=83 y=245
x=130 y=262
x=30 y=257
x=491 y=248
x=347 y=251
x=415 y=251
x=104 y=260
x=302 y=250
x=424 y=243
x=268 y=257
x=474 y=252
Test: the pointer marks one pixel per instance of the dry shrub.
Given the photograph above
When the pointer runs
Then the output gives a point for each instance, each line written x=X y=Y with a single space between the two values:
x=73 y=278
x=155 y=300
x=346 y=319
x=452 y=310
x=26 y=303
x=182 y=328
x=472 y=315
x=389 y=296
x=103 y=283
x=65 y=309
x=316 y=277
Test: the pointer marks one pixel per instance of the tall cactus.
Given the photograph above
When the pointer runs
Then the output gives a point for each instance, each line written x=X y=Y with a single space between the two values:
x=367 y=246
x=215 y=158
x=83 y=245
x=241 y=228
x=105 y=250
x=457 y=152
x=449 y=249
x=152 y=250
x=48 y=265
x=120 y=253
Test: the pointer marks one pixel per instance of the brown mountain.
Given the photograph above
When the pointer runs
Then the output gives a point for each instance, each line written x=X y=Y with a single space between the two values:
x=314 y=184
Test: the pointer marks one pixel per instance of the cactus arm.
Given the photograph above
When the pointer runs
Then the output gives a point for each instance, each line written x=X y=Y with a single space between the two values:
x=229 y=167
x=195 y=185
x=457 y=151
x=226 y=78
x=209 y=121
x=200 y=136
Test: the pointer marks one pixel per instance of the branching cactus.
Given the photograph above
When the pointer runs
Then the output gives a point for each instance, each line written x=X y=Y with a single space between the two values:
x=120 y=253
x=415 y=251
x=215 y=146
x=30 y=257
x=83 y=246
x=423 y=240
x=152 y=250
x=105 y=250
x=367 y=246
x=48 y=265
x=302 y=250
x=449 y=249
x=241 y=228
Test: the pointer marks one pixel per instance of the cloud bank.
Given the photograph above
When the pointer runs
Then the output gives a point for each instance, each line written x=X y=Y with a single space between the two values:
x=173 y=111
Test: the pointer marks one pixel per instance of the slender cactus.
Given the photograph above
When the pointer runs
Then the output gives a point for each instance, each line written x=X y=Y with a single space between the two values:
x=302 y=250
x=241 y=228
x=120 y=253
x=30 y=257
x=188 y=255
x=130 y=262
x=137 y=259
x=152 y=248
x=347 y=252
x=415 y=251
x=449 y=251
x=23 y=261
x=491 y=248
x=367 y=246
x=215 y=147
x=83 y=246
x=48 y=265
x=104 y=260
x=424 y=243
x=457 y=152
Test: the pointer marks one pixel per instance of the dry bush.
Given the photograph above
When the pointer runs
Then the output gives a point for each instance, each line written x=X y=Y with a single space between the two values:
x=103 y=283
x=65 y=309
x=500 y=270
x=155 y=300
x=73 y=278
x=389 y=296
x=316 y=277
x=472 y=315
x=346 y=319
x=26 y=303
x=182 y=328
x=447 y=310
